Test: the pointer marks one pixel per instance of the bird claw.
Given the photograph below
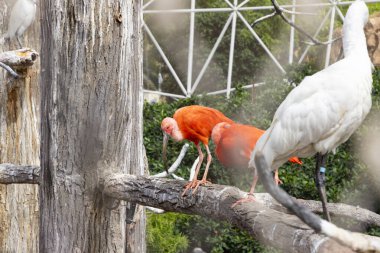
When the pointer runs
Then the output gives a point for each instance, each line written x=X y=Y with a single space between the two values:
x=202 y=182
x=189 y=185
x=249 y=198
x=194 y=185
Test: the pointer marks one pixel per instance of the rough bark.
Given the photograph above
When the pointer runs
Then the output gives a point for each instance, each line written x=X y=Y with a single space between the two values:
x=15 y=174
x=19 y=143
x=91 y=123
x=20 y=58
x=280 y=230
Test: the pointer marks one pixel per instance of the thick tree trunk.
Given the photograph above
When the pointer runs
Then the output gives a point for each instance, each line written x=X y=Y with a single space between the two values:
x=19 y=143
x=91 y=121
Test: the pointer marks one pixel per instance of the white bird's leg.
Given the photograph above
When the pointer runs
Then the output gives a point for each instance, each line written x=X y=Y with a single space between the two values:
x=250 y=196
x=19 y=42
x=193 y=182
x=204 y=181
x=320 y=180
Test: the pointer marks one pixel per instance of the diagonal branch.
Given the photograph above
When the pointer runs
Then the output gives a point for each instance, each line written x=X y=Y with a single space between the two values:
x=9 y=69
x=278 y=10
x=176 y=164
x=281 y=230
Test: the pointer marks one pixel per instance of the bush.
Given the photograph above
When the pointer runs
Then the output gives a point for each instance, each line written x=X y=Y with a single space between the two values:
x=163 y=236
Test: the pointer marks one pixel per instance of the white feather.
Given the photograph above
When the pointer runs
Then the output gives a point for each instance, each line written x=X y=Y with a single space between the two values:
x=21 y=17
x=327 y=107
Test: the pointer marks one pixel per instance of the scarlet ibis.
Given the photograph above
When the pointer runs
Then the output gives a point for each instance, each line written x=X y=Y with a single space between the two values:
x=193 y=123
x=234 y=144
x=21 y=17
x=319 y=115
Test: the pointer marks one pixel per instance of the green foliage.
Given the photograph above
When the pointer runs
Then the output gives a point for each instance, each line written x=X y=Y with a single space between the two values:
x=218 y=237
x=163 y=236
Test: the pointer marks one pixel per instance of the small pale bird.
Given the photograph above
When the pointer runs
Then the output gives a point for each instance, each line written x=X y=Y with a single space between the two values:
x=193 y=123
x=319 y=115
x=21 y=17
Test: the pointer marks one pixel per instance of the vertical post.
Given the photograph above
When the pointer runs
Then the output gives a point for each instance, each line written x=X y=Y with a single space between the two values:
x=91 y=124
x=331 y=31
x=232 y=49
x=292 y=30
x=191 y=50
x=19 y=141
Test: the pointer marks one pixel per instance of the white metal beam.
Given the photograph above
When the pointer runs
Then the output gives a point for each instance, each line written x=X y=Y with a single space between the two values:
x=331 y=31
x=166 y=60
x=261 y=43
x=191 y=48
x=231 y=56
x=315 y=36
x=234 y=9
x=213 y=50
x=292 y=35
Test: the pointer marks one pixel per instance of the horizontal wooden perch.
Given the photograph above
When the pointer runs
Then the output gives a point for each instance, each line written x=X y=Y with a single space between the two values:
x=19 y=174
x=20 y=58
x=280 y=230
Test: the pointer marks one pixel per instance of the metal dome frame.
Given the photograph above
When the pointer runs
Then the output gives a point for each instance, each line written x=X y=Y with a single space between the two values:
x=234 y=9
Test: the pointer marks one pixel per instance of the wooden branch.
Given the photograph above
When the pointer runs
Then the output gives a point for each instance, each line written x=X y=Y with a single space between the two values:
x=21 y=58
x=9 y=69
x=281 y=230
x=19 y=174
x=28 y=174
x=364 y=216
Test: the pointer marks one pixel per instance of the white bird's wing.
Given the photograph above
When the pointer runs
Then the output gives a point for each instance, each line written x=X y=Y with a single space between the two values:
x=22 y=15
x=317 y=112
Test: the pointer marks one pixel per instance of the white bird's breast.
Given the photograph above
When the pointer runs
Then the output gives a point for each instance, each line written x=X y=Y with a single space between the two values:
x=323 y=111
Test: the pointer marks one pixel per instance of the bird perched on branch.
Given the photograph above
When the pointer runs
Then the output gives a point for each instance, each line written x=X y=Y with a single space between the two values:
x=21 y=17
x=193 y=123
x=321 y=113
x=234 y=144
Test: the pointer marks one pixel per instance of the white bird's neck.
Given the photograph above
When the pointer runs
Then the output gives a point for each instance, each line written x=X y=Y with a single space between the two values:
x=354 y=41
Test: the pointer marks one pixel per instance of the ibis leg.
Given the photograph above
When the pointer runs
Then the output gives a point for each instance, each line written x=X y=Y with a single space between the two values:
x=204 y=178
x=320 y=180
x=193 y=182
x=277 y=179
x=250 y=196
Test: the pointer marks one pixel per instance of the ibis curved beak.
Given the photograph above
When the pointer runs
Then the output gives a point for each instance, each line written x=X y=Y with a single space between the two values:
x=164 y=145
